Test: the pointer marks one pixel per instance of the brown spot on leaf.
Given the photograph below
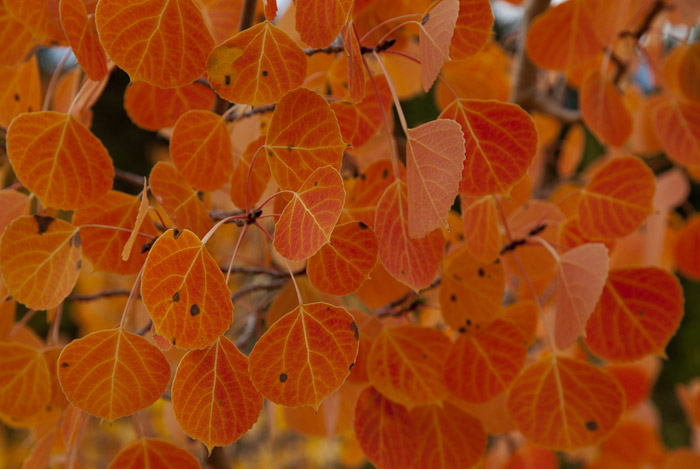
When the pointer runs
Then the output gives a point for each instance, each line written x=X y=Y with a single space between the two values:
x=283 y=377
x=385 y=174
x=355 y=330
x=176 y=233
x=264 y=73
x=453 y=297
x=43 y=223
x=462 y=330
x=481 y=272
x=75 y=241
x=591 y=425
x=194 y=310
x=64 y=365
x=351 y=366
x=425 y=19
x=362 y=226
x=79 y=264
x=16 y=96
x=227 y=79
x=176 y=297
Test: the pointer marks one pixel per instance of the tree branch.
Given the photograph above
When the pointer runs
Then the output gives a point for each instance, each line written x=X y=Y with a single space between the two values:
x=334 y=49
x=257 y=287
x=390 y=308
x=98 y=295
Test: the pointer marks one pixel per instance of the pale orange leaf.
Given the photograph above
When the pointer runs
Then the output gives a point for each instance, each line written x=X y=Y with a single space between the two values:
x=678 y=127
x=436 y=30
x=20 y=90
x=481 y=230
x=140 y=218
x=603 y=110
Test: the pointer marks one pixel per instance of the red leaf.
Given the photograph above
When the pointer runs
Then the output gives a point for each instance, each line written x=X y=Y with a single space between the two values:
x=473 y=29
x=436 y=30
x=319 y=21
x=603 y=110
x=151 y=452
x=154 y=108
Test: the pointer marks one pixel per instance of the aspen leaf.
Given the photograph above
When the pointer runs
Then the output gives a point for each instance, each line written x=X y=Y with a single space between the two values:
x=678 y=127
x=16 y=38
x=81 y=34
x=140 y=218
x=303 y=136
x=638 y=313
x=500 y=143
x=152 y=452
x=40 y=260
x=435 y=159
x=213 y=398
x=306 y=223
x=58 y=159
x=153 y=108
x=184 y=291
x=305 y=356
x=686 y=249
x=356 y=69
x=405 y=364
x=381 y=288
x=38 y=17
x=482 y=235
x=603 y=110
x=24 y=381
x=571 y=151
x=256 y=66
x=201 y=149
x=252 y=189
x=167 y=47
x=525 y=315
x=689 y=67
x=20 y=90
x=580 y=279
x=270 y=9
x=436 y=30
x=617 y=199
x=319 y=21
x=13 y=204
x=473 y=28
x=635 y=380
x=364 y=194
x=564 y=404
x=112 y=373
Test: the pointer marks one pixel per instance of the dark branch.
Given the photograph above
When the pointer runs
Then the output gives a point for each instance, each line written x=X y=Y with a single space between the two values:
x=392 y=308
x=98 y=295
x=274 y=273
x=257 y=287
x=511 y=246
x=363 y=49
x=126 y=176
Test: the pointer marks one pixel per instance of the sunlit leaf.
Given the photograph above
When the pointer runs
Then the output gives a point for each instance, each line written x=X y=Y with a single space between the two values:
x=603 y=110
x=15 y=36
x=638 y=313
x=81 y=34
x=112 y=373
x=434 y=158
x=474 y=25
x=253 y=188
x=40 y=16
x=213 y=398
x=305 y=355
x=151 y=452
x=482 y=235
x=687 y=248
x=201 y=149
x=306 y=223
x=405 y=364
x=20 y=90
x=40 y=260
x=436 y=30
x=13 y=204
x=167 y=47
x=24 y=381
x=270 y=8
x=303 y=136
x=58 y=159
x=356 y=70
x=565 y=404
x=223 y=17
x=185 y=292
x=617 y=199
x=678 y=127
x=500 y=142
x=256 y=66
x=319 y=21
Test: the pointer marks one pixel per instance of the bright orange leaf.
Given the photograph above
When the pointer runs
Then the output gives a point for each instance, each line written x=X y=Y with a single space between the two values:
x=303 y=136
x=213 y=398
x=306 y=223
x=571 y=151
x=13 y=204
x=500 y=143
x=638 y=313
x=482 y=235
x=16 y=37
x=223 y=17
x=319 y=21
x=40 y=260
x=562 y=403
x=81 y=34
x=138 y=223
x=241 y=186
x=366 y=190
x=356 y=69
x=256 y=66
x=603 y=110
x=436 y=30
x=687 y=248
x=525 y=315
x=305 y=356
x=58 y=159
x=270 y=8
x=474 y=25
x=153 y=453
x=678 y=127
x=20 y=90
x=24 y=381
x=112 y=373
x=167 y=47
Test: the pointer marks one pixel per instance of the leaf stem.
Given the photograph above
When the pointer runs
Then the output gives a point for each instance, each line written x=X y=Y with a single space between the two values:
x=52 y=338
x=54 y=79
x=385 y=22
x=235 y=251
x=394 y=96
x=22 y=322
x=132 y=295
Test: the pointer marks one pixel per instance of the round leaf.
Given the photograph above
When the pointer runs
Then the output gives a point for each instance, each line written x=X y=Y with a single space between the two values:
x=151 y=452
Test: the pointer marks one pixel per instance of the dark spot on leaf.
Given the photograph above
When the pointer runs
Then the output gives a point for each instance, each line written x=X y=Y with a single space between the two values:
x=200 y=195
x=48 y=408
x=269 y=153
x=227 y=79
x=29 y=108
x=453 y=297
x=362 y=226
x=283 y=377
x=462 y=330
x=43 y=223
x=176 y=297
x=469 y=322
x=194 y=310
x=76 y=241
x=315 y=183
x=385 y=174
x=16 y=97
x=328 y=308
x=425 y=356
x=457 y=277
x=353 y=328
x=460 y=237
x=79 y=264
x=481 y=272
x=351 y=366
x=176 y=233
x=363 y=176
x=264 y=73
x=641 y=313
x=425 y=19
x=173 y=341
x=592 y=425
x=402 y=272
x=147 y=246
x=289 y=147
x=64 y=365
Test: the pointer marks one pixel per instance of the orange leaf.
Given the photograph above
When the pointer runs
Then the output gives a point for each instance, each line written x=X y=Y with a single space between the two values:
x=307 y=221
x=447 y=437
x=270 y=8
x=222 y=17
x=411 y=261
x=40 y=260
x=259 y=175
x=24 y=381
x=678 y=127
x=185 y=292
x=581 y=276
x=617 y=199
x=500 y=142
x=38 y=17
x=201 y=149
x=213 y=398
x=58 y=159
x=303 y=136
x=365 y=192
x=565 y=404
x=153 y=108
x=320 y=21
x=380 y=288
x=112 y=373
x=20 y=90
x=356 y=69
x=435 y=159
x=256 y=66
x=687 y=248
x=305 y=356
x=471 y=292
x=603 y=110
x=103 y=246
x=384 y=430
x=523 y=314
x=482 y=364
x=167 y=47
x=482 y=235
x=436 y=30
x=179 y=200
x=635 y=381
x=405 y=364
x=16 y=38
x=140 y=218
x=689 y=67
x=81 y=34
x=564 y=35
x=151 y=452
x=473 y=29
x=638 y=313
x=13 y=204
x=571 y=151
x=342 y=265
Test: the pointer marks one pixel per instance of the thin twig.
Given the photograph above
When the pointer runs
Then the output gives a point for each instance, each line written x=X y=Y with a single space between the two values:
x=126 y=176
x=98 y=295
x=257 y=287
x=390 y=308
x=335 y=49
x=262 y=271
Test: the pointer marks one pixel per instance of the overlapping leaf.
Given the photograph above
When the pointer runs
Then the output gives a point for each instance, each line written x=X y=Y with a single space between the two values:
x=365 y=191
x=112 y=373
x=16 y=37
x=603 y=110
x=154 y=108
x=436 y=30
x=687 y=248
x=305 y=356
x=58 y=159
x=213 y=398
x=678 y=127
x=243 y=188
x=638 y=313
x=184 y=291
x=303 y=136
x=152 y=452
x=24 y=381
x=20 y=90
x=473 y=28
x=319 y=21
x=481 y=232
x=40 y=260
x=356 y=69
x=167 y=47
x=82 y=36
x=256 y=66
x=13 y=204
